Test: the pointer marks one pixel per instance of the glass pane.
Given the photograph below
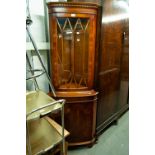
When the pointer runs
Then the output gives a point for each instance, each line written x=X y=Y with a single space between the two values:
x=78 y=25
x=73 y=21
x=61 y=22
x=67 y=25
x=72 y=42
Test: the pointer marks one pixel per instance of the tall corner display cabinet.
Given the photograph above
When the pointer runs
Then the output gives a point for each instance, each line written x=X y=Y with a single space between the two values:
x=73 y=57
x=89 y=54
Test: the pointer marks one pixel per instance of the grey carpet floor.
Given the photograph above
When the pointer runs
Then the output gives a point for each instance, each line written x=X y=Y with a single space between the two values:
x=114 y=141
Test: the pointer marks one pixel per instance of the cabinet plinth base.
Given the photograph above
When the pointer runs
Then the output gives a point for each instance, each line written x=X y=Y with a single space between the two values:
x=89 y=143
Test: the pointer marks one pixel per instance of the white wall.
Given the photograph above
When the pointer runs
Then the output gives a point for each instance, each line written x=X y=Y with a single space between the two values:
x=37 y=30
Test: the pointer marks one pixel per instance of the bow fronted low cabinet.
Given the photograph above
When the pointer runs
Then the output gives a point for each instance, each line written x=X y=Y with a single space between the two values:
x=73 y=30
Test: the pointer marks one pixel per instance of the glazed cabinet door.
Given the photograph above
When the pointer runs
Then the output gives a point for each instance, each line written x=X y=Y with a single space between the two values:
x=73 y=50
x=73 y=53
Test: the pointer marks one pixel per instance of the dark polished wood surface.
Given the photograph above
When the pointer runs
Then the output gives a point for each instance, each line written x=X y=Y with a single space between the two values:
x=99 y=2
x=111 y=69
x=73 y=56
x=80 y=116
x=113 y=63
x=65 y=63
x=80 y=120
x=124 y=75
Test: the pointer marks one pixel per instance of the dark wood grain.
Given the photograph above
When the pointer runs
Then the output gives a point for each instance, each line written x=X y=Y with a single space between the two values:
x=76 y=60
x=113 y=65
x=65 y=7
x=80 y=116
x=124 y=75
x=108 y=66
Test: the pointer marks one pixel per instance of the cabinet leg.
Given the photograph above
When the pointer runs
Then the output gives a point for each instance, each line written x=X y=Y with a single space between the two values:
x=96 y=141
x=58 y=150
x=115 y=122
x=90 y=145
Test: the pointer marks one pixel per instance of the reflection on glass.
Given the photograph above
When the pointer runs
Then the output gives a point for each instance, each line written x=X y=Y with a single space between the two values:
x=73 y=38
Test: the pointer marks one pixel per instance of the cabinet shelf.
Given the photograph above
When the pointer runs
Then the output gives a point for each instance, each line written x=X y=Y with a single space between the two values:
x=44 y=135
x=37 y=100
